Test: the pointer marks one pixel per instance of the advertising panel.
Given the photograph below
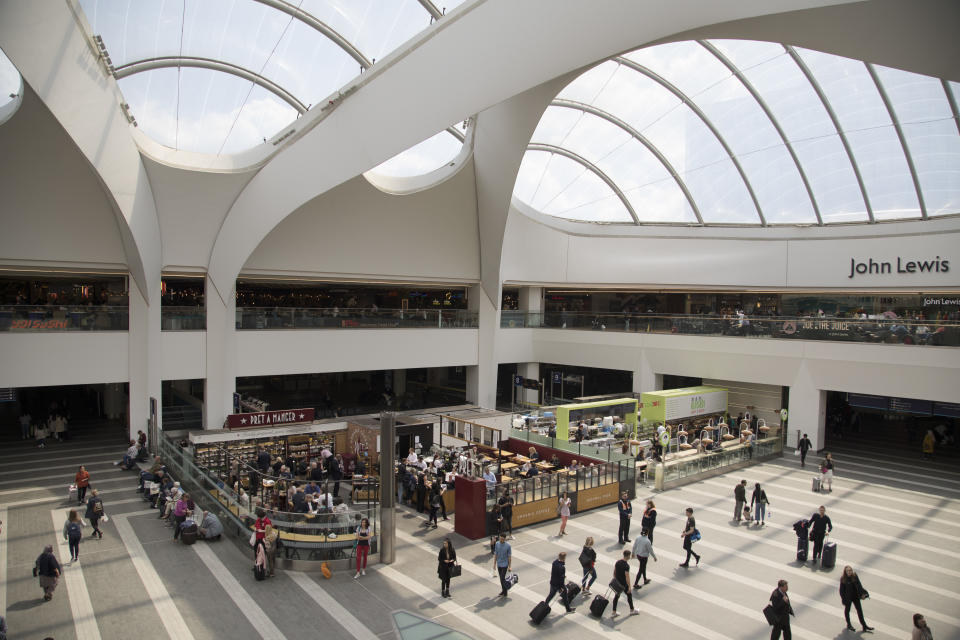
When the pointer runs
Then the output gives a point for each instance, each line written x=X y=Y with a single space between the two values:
x=598 y=496
x=269 y=418
x=676 y=404
x=533 y=512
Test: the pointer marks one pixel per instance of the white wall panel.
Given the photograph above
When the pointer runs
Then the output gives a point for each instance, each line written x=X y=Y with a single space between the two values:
x=356 y=230
x=317 y=351
x=49 y=359
x=183 y=355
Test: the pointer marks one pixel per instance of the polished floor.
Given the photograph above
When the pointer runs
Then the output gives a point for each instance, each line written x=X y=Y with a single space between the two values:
x=896 y=521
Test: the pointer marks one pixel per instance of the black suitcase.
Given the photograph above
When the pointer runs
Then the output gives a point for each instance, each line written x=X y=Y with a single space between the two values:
x=803 y=548
x=599 y=605
x=540 y=612
x=829 y=556
x=573 y=590
x=189 y=535
x=259 y=572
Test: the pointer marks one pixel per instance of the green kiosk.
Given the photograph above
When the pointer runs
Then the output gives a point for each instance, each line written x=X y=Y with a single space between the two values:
x=675 y=405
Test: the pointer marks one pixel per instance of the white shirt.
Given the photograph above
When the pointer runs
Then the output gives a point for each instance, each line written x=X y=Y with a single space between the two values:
x=412 y=458
x=132 y=451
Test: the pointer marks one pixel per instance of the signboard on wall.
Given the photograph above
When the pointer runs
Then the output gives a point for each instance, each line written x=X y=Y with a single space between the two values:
x=269 y=418
x=598 y=496
x=696 y=404
x=533 y=512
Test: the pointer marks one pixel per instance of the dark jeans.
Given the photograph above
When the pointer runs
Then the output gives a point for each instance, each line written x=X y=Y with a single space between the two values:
x=642 y=571
x=627 y=593
x=778 y=628
x=94 y=521
x=81 y=493
x=176 y=525
x=433 y=514
x=336 y=488
x=563 y=595
x=443 y=508
x=74 y=544
x=738 y=509
x=817 y=545
x=688 y=546
x=503 y=579
x=803 y=458
x=846 y=612
x=650 y=533
x=588 y=573
x=508 y=523
x=624 y=532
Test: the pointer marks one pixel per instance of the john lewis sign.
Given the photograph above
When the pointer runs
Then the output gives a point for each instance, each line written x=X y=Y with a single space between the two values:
x=860 y=267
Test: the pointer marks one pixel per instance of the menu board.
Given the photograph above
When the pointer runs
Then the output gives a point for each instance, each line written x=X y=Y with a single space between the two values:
x=904 y=405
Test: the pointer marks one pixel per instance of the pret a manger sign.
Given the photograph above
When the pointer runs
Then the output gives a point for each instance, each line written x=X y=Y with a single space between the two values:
x=269 y=418
x=901 y=265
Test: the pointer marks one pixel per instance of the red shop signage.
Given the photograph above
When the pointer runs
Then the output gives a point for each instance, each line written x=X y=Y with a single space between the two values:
x=268 y=418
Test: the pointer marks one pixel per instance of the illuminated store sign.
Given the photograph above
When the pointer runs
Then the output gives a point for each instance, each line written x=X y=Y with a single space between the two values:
x=872 y=267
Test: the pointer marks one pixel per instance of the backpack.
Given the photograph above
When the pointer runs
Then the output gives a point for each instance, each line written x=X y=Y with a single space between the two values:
x=74 y=531
x=97 y=507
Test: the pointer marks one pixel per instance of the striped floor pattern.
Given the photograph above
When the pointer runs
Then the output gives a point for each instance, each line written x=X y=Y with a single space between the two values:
x=896 y=522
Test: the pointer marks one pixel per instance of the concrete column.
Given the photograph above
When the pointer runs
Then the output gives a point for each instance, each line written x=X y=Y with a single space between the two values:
x=399 y=382
x=388 y=525
x=482 y=378
x=221 y=379
x=143 y=355
x=531 y=299
x=644 y=378
x=807 y=410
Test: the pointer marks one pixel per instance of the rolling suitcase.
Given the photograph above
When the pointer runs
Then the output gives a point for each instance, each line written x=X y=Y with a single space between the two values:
x=803 y=548
x=540 y=612
x=573 y=590
x=829 y=556
x=599 y=605
x=189 y=535
x=816 y=484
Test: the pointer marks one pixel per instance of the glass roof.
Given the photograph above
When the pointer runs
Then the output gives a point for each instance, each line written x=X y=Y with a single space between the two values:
x=744 y=132
x=10 y=87
x=222 y=76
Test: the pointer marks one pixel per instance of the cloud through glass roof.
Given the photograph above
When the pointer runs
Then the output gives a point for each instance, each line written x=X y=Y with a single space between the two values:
x=743 y=132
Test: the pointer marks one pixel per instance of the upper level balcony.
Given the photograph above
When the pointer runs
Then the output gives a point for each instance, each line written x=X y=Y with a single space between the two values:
x=268 y=318
x=25 y=317
x=879 y=329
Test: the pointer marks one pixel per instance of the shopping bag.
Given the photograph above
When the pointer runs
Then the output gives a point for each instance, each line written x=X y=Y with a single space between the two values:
x=796 y=452
x=105 y=518
x=253 y=538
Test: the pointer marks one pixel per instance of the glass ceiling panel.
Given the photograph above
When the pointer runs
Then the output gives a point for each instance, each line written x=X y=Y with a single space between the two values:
x=568 y=190
x=258 y=38
x=832 y=179
x=687 y=65
x=427 y=156
x=10 y=85
x=774 y=177
x=885 y=173
x=262 y=116
x=746 y=54
x=935 y=148
x=661 y=202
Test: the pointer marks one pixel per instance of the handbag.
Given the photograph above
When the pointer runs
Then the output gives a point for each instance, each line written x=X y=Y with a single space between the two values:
x=616 y=586
x=695 y=536
x=456 y=570
x=769 y=614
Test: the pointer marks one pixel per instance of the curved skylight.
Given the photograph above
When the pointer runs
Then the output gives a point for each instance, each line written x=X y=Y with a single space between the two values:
x=744 y=132
x=431 y=154
x=11 y=88
x=222 y=76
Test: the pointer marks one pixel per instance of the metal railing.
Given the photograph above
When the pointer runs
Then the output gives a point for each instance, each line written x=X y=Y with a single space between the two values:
x=22 y=317
x=183 y=318
x=679 y=468
x=553 y=484
x=875 y=330
x=260 y=318
x=610 y=449
x=238 y=513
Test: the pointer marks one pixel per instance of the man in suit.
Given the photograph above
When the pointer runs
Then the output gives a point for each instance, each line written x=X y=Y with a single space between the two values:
x=625 y=507
x=782 y=612
x=558 y=580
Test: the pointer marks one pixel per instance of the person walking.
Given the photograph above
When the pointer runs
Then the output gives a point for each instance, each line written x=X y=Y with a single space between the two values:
x=621 y=583
x=435 y=502
x=588 y=560
x=506 y=510
x=804 y=445
x=25 y=420
x=503 y=558
x=826 y=473
x=782 y=611
x=643 y=551
x=758 y=504
x=649 y=519
x=929 y=441
x=364 y=534
x=625 y=508
x=336 y=474
x=95 y=512
x=73 y=534
x=820 y=526
x=48 y=570
x=82 y=480
x=558 y=581
x=920 y=629
x=563 y=508
x=851 y=593
x=446 y=559
x=740 y=497
x=687 y=535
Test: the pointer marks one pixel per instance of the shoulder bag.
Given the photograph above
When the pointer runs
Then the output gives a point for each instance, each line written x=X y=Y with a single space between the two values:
x=456 y=570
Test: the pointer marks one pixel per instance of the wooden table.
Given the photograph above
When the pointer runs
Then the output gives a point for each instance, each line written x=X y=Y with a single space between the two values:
x=521 y=459
x=544 y=466
x=507 y=466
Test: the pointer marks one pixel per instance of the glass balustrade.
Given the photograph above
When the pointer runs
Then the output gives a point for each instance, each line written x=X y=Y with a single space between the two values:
x=260 y=318
x=33 y=318
x=877 y=330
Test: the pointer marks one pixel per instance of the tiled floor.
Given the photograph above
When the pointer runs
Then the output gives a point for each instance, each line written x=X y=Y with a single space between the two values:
x=896 y=522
